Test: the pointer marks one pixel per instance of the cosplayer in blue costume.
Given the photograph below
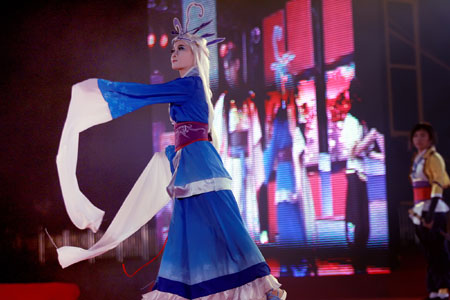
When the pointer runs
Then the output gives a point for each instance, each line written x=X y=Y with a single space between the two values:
x=209 y=253
x=278 y=157
x=291 y=227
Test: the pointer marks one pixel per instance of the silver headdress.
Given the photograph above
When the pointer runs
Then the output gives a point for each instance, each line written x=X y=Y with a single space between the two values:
x=182 y=32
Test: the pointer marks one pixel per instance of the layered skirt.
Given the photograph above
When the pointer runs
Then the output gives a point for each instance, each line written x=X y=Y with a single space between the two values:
x=209 y=253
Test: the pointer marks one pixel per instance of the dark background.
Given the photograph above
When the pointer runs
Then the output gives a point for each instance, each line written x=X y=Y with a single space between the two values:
x=49 y=46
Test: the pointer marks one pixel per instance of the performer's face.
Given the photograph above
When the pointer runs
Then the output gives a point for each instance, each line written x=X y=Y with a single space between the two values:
x=421 y=140
x=182 y=57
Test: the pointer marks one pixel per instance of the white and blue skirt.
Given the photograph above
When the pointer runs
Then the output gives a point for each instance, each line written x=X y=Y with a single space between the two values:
x=209 y=253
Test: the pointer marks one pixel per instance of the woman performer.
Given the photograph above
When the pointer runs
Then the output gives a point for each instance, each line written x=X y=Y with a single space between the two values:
x=209 y=253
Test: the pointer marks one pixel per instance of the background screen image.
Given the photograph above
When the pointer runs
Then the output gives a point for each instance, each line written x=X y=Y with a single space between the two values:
x=307 y=219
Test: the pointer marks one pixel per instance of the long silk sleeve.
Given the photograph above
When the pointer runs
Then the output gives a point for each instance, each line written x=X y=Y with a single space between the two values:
x=87 y=108
x=124 y=97
x=145 y=199
x=97 y=101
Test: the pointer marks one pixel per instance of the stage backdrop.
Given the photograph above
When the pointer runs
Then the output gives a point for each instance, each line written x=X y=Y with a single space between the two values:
x=311 y=213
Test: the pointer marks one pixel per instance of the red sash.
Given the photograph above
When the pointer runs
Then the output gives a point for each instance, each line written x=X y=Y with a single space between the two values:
x=189 y=132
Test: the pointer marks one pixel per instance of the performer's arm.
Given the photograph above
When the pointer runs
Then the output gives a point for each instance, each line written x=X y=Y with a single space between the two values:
x=365 y=143
x=430 y=214
x=435 y=171
x=125 y=97
x=436 y=174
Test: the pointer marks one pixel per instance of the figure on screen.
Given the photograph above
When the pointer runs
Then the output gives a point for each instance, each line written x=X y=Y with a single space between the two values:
x=303 y=122
x=293 y=202
x=209 y=253
x=359 y=141
x=278 y=158
x=283 y=164
x=239 y=129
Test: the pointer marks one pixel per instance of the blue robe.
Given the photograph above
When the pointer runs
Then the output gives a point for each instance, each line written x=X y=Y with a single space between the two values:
x=208 y=249
x=291 y=225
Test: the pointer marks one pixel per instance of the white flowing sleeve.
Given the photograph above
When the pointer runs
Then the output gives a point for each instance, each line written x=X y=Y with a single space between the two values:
x=145 y=199
x=87 y=108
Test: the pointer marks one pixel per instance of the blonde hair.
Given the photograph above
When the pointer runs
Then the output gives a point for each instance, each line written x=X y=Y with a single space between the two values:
x=201 y=62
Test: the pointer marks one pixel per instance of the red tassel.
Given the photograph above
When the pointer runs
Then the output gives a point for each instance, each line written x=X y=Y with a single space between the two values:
x=153 y=259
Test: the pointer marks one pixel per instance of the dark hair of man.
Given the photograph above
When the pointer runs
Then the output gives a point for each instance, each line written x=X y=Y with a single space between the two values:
x=428 y=128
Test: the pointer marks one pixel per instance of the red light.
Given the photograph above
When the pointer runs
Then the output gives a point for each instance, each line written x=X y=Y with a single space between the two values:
x=223 y=50
x=151 y=39
x=164 y=40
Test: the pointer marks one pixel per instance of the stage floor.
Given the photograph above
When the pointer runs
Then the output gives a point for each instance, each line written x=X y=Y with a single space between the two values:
x=405 y=282
x=415 y=298
x=106 y=280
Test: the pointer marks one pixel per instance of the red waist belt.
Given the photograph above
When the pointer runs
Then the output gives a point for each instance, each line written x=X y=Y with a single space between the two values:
x=422 y=191
x=189 y=132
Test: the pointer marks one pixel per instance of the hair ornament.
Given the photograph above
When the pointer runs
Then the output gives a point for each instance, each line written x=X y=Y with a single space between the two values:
x=181 y=32
x=216 y=41
x=201 y=26
x=207 y=35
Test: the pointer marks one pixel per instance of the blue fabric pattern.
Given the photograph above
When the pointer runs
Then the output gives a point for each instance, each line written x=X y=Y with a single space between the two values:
x=291 y=227
x=186 y=96
x=209 y=249
x=209 y=229
x=212 y=286
x=199 y=161
x=290 y=219
x=281 y=139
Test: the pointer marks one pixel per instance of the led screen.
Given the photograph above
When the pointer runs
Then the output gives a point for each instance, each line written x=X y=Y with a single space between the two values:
x=313 y=209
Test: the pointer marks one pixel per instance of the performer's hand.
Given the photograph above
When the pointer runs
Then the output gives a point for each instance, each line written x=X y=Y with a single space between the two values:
x=426 y=224
x=413 y=214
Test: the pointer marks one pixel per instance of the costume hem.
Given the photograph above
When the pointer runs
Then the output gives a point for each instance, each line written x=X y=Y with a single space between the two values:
x=254 y=290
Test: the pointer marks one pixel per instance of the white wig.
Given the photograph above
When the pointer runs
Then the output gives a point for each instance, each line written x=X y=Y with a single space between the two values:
x=201 y=62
